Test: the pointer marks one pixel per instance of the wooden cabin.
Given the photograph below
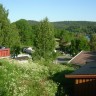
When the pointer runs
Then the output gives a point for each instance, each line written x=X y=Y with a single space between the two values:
x=84 y=80
x=4 y=52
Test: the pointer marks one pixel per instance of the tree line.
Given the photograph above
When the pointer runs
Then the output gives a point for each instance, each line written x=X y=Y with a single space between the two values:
x=41 y=36
x=20 y=34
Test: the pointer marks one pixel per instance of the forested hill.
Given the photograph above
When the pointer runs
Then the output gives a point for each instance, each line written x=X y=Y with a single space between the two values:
x=61 y=24
x=33 y=22
x=73 y=26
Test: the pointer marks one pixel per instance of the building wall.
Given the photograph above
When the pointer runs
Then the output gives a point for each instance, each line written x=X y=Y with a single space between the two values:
x=85 y=87
x=4 y=52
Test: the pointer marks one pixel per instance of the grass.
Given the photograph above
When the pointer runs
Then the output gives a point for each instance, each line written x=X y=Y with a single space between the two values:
x=32 y=79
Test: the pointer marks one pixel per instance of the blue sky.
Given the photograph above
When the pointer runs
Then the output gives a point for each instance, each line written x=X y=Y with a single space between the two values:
x=55 y=10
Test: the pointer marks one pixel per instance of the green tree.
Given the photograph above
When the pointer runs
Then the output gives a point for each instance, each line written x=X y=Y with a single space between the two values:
x=78 y=44
x=25 y=32
x=44 y=39
x=14 y=43
x=4 y=26
x=65 y=40
x=93 y=42
x=9 y=36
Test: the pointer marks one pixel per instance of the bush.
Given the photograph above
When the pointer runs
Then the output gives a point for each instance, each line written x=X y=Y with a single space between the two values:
x=32 y=79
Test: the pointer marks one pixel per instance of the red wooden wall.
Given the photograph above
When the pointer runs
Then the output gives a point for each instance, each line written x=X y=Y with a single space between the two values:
x=4 y=52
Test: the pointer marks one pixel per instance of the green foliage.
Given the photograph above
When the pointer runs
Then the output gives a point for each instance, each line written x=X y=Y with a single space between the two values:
x=30 y=79
x=93 y=42
x=44 y=39
x=25 y=32
x=9 y=36
x=72 y=26
x=14 y=41
x=76 y=26
x=67 y=36
x=4 y=26
x=78 y=44
x=65 y=40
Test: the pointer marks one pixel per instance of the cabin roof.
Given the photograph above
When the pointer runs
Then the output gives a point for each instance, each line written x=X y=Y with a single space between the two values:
x=83 y=57
x=86 y=71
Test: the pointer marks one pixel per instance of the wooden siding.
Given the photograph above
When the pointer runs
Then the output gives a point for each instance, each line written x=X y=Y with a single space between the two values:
x=85 y=87
x=4 y=52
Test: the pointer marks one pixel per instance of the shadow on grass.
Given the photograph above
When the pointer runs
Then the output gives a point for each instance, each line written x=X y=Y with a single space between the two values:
x=65 y=86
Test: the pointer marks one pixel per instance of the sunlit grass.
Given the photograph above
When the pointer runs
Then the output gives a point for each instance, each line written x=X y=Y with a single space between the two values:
x=29 y=79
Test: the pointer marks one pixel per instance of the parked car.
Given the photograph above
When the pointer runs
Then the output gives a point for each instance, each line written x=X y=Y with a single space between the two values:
x=2 y=47
x=28 y=50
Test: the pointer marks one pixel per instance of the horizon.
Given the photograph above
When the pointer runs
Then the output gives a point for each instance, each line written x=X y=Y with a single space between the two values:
x=63 y=10
x=61 y=21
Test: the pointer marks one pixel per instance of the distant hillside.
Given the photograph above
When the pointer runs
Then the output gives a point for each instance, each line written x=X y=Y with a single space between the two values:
x=33 y=22
x=62 y=24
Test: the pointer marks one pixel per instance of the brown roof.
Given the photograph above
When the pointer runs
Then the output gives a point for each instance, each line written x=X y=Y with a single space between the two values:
x=83 y=57
x=86 y=71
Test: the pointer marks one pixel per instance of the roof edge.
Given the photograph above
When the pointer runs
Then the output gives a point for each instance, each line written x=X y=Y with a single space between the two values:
x=75 y=56
x=81 y=76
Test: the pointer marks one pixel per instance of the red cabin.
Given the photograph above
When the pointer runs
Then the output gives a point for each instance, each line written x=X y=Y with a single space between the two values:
x=4 y=52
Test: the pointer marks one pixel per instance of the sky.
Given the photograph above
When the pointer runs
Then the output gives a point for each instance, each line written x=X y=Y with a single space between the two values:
x=55 y=10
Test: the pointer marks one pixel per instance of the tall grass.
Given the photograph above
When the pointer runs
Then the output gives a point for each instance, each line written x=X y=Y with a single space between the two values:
x=30 y=79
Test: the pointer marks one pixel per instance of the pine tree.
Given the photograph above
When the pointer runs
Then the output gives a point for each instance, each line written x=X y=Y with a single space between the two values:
x=44 y=39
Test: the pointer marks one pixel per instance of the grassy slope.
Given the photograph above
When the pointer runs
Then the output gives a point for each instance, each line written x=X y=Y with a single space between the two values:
x=32 y=79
